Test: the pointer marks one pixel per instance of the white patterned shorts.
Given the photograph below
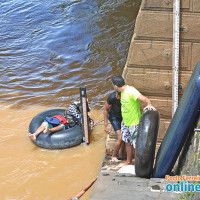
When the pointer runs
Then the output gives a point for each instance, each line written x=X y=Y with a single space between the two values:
x=129 y=134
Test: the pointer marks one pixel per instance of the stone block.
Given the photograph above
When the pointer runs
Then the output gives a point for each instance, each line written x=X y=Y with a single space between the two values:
x=154 y=54
x=164 y=124
x=110 y=145
x=196 y=6
x=164 y=4
x=155 y=82
x=159 y=26
x=112 y=134
x=162 y=104
x=195 y=54
x=154 y=25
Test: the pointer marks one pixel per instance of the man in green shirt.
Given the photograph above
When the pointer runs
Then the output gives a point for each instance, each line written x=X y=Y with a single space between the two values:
x=130 y=108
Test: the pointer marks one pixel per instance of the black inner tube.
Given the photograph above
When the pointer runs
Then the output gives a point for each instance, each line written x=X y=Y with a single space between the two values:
x=146 y=143
x=57 y=140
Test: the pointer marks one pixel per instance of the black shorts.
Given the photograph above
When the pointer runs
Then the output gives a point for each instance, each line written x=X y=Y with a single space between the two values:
x=115 y=121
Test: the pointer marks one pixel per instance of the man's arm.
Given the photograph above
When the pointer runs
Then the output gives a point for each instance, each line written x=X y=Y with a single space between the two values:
x=105 y=114
x=147 y=101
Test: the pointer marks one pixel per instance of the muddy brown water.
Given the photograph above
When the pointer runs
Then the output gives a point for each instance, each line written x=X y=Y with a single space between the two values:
x=48 y=49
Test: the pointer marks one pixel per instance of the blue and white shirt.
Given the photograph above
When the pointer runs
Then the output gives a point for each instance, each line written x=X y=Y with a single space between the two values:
x=73 y=109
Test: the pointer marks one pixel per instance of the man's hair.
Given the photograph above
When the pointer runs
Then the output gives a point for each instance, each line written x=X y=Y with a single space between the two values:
x=118 y=81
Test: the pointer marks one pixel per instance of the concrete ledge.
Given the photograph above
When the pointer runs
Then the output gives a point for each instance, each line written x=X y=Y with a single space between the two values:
x=112 y=186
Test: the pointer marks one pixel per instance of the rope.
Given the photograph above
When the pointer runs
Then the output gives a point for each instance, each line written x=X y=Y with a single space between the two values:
x=92 y=102
x=97 y=103
x=98 y=123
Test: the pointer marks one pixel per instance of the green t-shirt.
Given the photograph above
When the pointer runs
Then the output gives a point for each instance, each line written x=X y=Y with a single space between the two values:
x=130 y=106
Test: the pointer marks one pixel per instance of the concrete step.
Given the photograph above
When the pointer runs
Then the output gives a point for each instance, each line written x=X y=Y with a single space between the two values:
x=117 y=186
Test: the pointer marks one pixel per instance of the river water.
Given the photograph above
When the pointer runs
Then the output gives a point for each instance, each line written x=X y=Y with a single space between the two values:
x=48 y=49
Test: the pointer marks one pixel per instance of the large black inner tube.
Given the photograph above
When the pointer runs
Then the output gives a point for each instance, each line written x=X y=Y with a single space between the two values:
x=146 y=143
x=58 y=140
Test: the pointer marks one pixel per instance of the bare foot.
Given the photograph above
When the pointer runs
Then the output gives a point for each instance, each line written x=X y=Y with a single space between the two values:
x=32 y=136
x=114 y=159
x=125 y=164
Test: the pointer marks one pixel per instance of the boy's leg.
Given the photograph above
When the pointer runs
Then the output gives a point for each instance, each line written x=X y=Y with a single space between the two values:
x=131 y=138
x=126 y=137
x=118 y=145
x=37 y=132
x=54 y=129
x=40 y=129
x=129 y=151
x=116 y=124
x=122 y=150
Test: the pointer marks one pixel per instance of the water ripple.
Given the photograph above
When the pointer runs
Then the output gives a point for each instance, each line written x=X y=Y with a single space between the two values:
x=48 y=49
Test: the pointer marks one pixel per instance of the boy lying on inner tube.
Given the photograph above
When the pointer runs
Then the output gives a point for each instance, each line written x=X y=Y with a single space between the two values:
x=49 y=124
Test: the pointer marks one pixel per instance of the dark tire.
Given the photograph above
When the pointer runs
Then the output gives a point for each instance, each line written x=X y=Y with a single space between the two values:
x=146 y=143
x=58 y=140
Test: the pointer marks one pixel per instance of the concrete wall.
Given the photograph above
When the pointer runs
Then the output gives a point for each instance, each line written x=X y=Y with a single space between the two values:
x=149 y=62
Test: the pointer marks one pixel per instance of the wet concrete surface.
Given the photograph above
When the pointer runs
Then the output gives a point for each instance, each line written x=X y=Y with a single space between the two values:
x=112 y=185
